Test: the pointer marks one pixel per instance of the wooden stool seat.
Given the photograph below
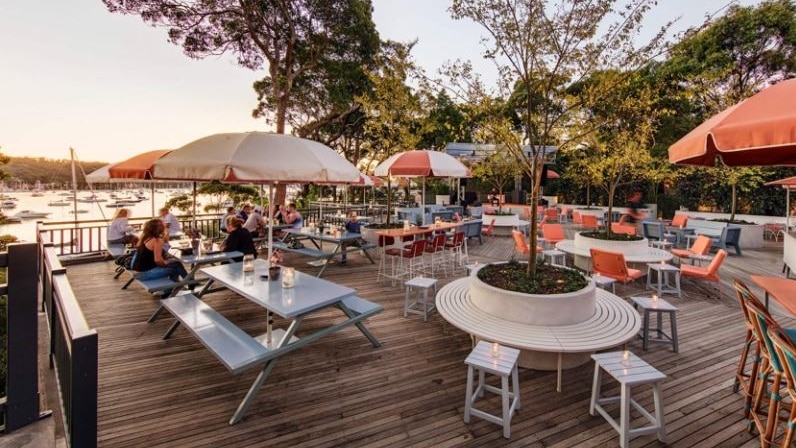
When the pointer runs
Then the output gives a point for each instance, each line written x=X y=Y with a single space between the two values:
x=629 y=370
x=497 y=360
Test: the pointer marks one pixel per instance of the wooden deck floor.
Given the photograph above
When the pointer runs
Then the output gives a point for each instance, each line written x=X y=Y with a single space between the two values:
x=340 y=391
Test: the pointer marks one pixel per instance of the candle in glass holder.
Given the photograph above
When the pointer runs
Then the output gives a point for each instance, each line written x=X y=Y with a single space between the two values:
x=626 y=358
x=495 y=348
x=288 y=277
x=655 y=298
x=406 y=225
x=248 y=263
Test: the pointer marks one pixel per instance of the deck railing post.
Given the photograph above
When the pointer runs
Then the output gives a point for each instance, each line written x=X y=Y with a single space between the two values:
x=22 y=387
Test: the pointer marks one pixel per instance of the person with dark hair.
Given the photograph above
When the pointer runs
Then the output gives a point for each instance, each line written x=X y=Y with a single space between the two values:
x=239 y=239
x=293 y=217
x=149 y=262
x=244 y=212
x=351 y=226
x=635 y=214
x=230 y=212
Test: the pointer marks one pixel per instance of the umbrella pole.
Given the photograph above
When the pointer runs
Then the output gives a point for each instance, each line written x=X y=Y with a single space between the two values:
x=787 y=209
x=194 y=205
x=269 y=325
x=152 y=197
x=423 y=205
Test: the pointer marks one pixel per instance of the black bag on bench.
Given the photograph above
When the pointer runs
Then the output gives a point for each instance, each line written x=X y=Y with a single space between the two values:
x=126 y=260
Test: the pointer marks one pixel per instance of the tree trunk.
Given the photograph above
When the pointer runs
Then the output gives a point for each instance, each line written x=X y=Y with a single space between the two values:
x=734 y=200
x=537 y=180
x=609 y=218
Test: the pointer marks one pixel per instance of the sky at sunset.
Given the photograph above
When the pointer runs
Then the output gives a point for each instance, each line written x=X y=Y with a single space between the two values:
x=73 y=74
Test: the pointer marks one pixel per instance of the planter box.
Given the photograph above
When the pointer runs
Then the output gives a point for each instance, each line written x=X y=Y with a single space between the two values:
x=751 y=236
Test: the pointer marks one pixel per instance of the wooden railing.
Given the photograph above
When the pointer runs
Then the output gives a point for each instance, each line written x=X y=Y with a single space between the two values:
x=74 y=350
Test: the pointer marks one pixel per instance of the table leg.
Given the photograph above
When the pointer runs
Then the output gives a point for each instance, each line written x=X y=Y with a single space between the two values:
x=375 y=342
x=558 y=379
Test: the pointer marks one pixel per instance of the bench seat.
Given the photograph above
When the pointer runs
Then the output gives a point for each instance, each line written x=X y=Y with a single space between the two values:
x=226 y=341
x=307 y=251
x=116 y=250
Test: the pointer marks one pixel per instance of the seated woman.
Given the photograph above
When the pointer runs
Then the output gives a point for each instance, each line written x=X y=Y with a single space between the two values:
x=119 y=230
x=149 y=262
x=239 y=239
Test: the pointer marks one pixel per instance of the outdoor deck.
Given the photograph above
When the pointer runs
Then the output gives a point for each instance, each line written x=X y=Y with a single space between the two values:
x=340 y=391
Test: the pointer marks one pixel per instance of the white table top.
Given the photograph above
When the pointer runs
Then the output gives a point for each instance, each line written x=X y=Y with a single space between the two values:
x=660 y=267
x=206 y=257
x=653 y=304
x=310 y=293
x=421 y=282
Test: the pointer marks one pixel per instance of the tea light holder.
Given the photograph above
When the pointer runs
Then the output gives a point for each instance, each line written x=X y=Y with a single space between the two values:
x=495 y=348
x=406 y=225
x=288 y=277
x=626 y=358
x=248 y=263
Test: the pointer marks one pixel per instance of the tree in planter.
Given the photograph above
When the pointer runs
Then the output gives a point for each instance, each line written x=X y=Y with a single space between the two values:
x=498 y=169
x=541 y=49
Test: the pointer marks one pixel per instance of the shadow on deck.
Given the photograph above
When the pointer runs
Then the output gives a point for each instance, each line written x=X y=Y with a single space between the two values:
x=340 y=391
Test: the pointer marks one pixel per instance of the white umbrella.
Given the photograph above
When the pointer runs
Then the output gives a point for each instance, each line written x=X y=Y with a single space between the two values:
x=257 y=158
x=422 y=164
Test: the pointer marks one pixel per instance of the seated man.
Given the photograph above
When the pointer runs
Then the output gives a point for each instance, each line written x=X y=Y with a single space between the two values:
x=254 y=223
x=351 y=226
x=170 y=221
x=293 y=217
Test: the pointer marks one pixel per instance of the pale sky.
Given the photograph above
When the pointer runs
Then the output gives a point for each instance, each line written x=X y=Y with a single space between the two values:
x=73 y=74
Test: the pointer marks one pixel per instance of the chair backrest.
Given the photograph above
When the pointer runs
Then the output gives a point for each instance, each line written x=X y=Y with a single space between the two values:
x=473 y=228
x=623 y=228
x=713 y=267
x=701 y=245
x=746 y=296
x=761 y=323
x=652 y=230
x=609 y=264
x=553 y=232
x=564 y=211
x=416 y=249
x=576 y=217
x=551 y=213
x=458 y=238
x=731 y=235
x=438 y=242
x=589 y=221
x=679 y=221
x=519 y=242
x=786 y=352
x=622 y=219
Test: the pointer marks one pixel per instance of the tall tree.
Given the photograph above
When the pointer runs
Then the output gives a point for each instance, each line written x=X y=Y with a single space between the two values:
x=540 y=49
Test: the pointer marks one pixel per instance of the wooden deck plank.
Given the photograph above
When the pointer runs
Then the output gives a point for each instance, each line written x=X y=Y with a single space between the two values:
x=339 y=391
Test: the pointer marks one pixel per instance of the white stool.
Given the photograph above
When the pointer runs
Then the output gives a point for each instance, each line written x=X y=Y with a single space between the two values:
x=558 y=257
x=603 y=282
x=424 y=283
x=658 y=306
x=629 y=370
x=664 y=284
x=497 y=360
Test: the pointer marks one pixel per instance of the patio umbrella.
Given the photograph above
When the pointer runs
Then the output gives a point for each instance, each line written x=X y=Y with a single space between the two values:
x=787 y=184
x=760 y=130
x=257 y=158
x=422 y=164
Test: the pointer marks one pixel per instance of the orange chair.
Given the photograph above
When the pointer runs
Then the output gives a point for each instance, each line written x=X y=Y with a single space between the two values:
x=617 y=227
x=490 y=228
x=700 y=246
x=577 y=218
x=679 y=221
x=590 y=222
x=564 y=215
x=622 y=219
x=521 y=245
x=613 y=265
x=710 y=273
x=553 y=233
x=551 y=213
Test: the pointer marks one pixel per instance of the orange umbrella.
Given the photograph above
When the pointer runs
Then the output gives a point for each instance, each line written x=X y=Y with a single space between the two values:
x=761 y=130
x=787 y=184
x=137 y=167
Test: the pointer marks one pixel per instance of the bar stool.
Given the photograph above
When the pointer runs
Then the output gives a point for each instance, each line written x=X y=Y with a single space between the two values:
x=658 y=306
x=420 y=283
x=497 y=360
x=629 y=370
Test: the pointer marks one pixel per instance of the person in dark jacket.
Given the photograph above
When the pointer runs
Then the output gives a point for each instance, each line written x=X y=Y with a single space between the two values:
x=238 y=238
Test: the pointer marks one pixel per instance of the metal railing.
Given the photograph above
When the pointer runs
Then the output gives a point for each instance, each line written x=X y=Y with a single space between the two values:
x=74 y=350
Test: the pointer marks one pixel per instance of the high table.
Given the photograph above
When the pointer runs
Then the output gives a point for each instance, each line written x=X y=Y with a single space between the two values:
x=309 y=295
x=782 y=289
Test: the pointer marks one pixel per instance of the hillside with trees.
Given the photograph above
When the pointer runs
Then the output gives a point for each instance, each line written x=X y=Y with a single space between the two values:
x=23 y=172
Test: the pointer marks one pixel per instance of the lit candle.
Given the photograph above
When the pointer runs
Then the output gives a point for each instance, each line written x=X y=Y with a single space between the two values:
x=495 y=348
x=248 y=263
x=288 y=277
x=655 y=297
x=406 y=225
x=626 y=358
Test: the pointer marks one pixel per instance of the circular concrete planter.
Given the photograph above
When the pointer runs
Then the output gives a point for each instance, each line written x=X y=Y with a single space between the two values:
x=540 y=310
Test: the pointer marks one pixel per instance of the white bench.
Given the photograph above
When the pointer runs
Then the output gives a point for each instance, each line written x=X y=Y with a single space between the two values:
x=613 y=323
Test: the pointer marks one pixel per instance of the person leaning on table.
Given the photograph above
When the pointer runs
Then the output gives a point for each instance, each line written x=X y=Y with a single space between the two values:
x=293 y=217
x=119 y=230
x=238 y=238
x=149 y=261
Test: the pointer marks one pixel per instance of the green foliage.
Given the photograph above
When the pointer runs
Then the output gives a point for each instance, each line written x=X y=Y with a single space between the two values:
x=182 y=202
x=57 y=173
x=548 y=279
x=237 y=193
x=498 y=168
x=602 y=235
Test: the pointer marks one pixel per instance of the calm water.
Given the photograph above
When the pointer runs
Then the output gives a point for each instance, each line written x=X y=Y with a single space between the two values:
x=93 y=210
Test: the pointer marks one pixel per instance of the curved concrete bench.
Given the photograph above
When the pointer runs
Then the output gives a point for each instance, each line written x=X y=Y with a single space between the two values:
x=614 y=322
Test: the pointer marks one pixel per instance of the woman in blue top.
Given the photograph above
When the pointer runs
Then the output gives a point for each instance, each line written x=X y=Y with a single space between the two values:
x=149 y=262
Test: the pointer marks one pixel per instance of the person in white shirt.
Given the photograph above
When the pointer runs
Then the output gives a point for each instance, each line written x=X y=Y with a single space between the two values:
x=255 y=222
x=119 y=230
x=170 y=221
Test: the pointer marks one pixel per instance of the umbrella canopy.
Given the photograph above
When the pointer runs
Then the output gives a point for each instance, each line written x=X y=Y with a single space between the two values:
x=552 y=174
x=368 y=181
x=137 y=167
x=100 y=175
x=255 y=157
x=760 y=130
x=422 y=164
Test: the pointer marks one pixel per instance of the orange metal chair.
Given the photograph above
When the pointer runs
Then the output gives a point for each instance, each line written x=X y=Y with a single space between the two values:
x=490 y=228
x=613 y=265
x=700 y=246
x=710 y=273
x=577 y=218
x=618 y=227
x=553 y=233
x=551 y=213
x=590 y=222
x=679 y=221
x=521 y=245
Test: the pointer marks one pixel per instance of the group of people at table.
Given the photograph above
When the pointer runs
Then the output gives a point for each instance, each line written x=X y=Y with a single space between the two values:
x=151 y=243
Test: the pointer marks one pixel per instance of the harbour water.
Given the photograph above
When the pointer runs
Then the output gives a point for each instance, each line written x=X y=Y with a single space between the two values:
x=26 y=230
